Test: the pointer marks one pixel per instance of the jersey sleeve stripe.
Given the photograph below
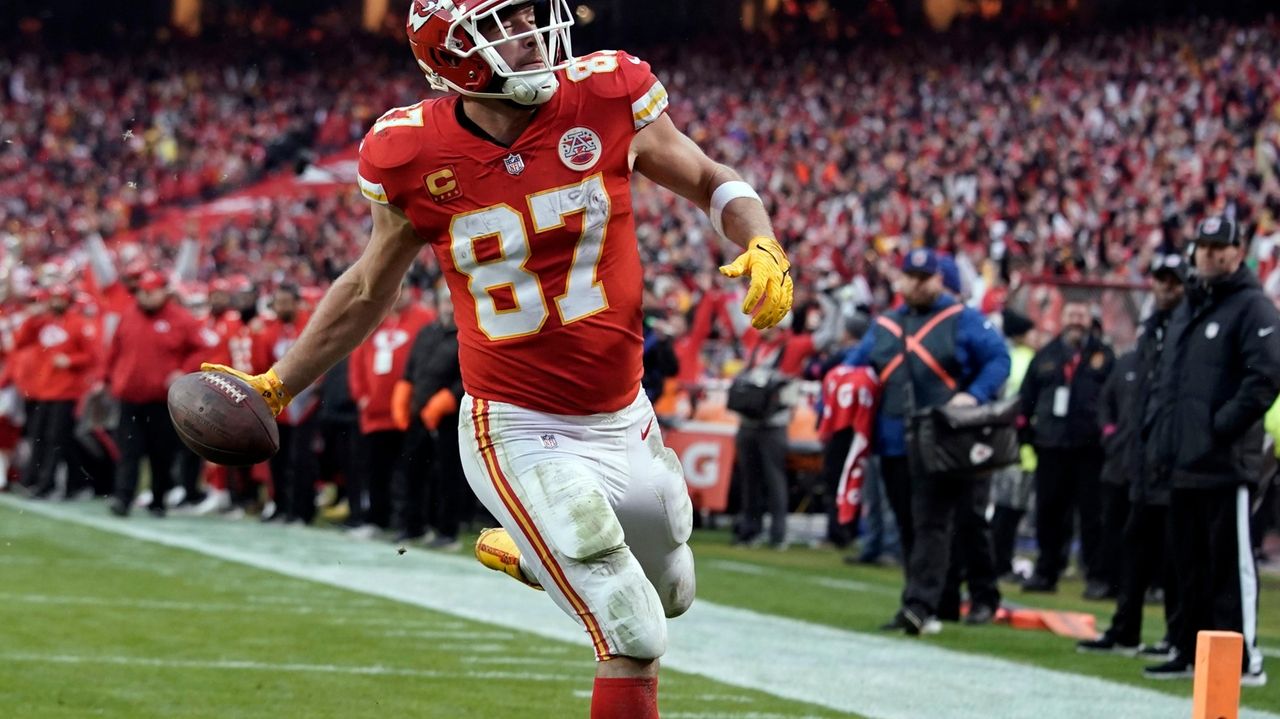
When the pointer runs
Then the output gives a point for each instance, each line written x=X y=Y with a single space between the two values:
x=372 y=190
x=650 y=105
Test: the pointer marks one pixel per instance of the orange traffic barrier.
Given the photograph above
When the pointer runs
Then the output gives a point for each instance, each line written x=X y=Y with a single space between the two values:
x=1218 y=661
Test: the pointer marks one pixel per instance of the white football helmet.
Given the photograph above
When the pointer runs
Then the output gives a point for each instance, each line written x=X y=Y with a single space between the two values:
x=451 y=49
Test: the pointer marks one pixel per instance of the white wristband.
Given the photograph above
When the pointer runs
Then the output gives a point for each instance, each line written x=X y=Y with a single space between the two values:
x=724 y=194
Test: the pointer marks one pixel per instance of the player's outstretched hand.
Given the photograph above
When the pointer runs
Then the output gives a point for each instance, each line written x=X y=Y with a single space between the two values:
x=267 y=384
x=769 y=269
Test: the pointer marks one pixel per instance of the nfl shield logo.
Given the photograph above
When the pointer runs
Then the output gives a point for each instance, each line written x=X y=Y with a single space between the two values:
x=549 y=441
x=514 y=163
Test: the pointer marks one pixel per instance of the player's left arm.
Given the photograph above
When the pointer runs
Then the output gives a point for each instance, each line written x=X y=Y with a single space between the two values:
x=350 y=311
x=667 y=156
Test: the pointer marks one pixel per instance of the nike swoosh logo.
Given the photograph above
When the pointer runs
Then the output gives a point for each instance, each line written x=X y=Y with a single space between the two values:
x=645 y=434
x=1266 y=331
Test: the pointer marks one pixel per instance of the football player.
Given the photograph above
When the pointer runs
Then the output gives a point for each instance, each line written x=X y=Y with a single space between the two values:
x=519 y=181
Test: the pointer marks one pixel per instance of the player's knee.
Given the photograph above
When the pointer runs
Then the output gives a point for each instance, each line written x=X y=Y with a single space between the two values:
x=630 y=608
x=577 y=518
x=639 y=629
x=678 y=584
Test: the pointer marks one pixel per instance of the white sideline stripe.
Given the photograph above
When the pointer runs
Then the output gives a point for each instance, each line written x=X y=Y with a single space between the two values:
x=237 y=664
x=878 y=677
x=729 y=565
x=853 y=585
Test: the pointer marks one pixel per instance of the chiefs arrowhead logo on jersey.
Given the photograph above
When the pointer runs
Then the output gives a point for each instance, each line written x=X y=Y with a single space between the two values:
x=580 y=149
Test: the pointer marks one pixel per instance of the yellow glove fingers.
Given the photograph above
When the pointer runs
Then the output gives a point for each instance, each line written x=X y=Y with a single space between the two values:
x=788 y=294
x=737 y=267
x=273 y=391
x=759 y=282
x=210 y=367
x=777 y=304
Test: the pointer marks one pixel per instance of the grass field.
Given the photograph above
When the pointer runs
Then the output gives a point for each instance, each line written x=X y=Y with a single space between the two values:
x=93 y=623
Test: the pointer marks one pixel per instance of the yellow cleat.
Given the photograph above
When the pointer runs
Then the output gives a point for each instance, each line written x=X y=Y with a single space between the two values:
x=498 y=551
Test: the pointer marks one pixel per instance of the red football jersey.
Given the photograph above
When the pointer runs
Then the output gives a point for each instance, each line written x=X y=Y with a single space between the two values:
x=849 y=398
x=536 y=240
x=235 y=341
x=378 y=364
x=271 y=339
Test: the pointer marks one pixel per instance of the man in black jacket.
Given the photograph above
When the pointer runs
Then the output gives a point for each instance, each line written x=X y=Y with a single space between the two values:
x=1142 y=550
x=1217 y=378
x=1060 y=404
x=433 y=466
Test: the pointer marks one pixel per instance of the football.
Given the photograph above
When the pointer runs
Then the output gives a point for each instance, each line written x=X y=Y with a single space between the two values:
x=222 y=419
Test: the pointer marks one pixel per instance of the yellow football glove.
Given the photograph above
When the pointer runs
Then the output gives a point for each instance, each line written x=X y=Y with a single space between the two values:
x=268 y=385
x=769 y=269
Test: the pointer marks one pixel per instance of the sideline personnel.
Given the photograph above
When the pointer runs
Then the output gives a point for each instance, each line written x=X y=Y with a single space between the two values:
x=1217 y=378
x=932 y=351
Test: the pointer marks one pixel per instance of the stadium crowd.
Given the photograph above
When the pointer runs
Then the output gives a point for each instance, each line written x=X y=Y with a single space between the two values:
x=1072 y=159
x=97 y=143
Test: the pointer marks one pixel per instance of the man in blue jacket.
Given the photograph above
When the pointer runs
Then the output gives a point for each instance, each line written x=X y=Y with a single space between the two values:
x=931 y=351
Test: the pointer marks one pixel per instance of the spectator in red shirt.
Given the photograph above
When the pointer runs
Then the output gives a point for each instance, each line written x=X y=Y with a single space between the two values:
x=62 y=346
x=295 y=468
x=375 y=368
x=156 y=343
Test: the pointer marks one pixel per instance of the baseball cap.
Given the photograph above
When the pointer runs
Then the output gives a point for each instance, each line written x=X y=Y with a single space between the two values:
x=136 y=267
x=921 y=261
x=1217 y=230
x=152 y=280
x=1169 y=264
x=950 y=274
x=1015 y=323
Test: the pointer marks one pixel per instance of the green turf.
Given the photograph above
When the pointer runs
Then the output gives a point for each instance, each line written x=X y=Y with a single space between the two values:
x=94 y=624
x=97 y=624
x=815 y=585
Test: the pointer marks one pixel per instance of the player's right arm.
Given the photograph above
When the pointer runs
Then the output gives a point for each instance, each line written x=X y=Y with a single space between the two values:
x=349 y=312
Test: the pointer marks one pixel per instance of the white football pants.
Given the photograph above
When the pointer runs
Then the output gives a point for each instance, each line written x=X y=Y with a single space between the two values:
x=599 y=509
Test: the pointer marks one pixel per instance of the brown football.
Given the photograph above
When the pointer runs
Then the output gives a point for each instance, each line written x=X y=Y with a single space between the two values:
x=222 y=419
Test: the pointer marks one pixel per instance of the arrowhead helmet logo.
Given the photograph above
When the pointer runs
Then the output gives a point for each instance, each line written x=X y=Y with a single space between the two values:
x=421 y=13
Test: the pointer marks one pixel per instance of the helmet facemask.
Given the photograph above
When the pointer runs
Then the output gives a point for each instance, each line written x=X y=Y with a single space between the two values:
x=466 y=39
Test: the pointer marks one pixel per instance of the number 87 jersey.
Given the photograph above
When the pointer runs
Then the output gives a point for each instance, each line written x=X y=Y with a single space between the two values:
x=536 y=240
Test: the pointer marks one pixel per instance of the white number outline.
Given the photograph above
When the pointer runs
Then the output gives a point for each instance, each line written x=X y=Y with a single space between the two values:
x=413 y=117
x=587 y=239
x=593 y=64
x=504 y=258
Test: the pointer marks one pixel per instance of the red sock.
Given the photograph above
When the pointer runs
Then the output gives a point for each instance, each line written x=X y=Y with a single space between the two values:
x=625 y=698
